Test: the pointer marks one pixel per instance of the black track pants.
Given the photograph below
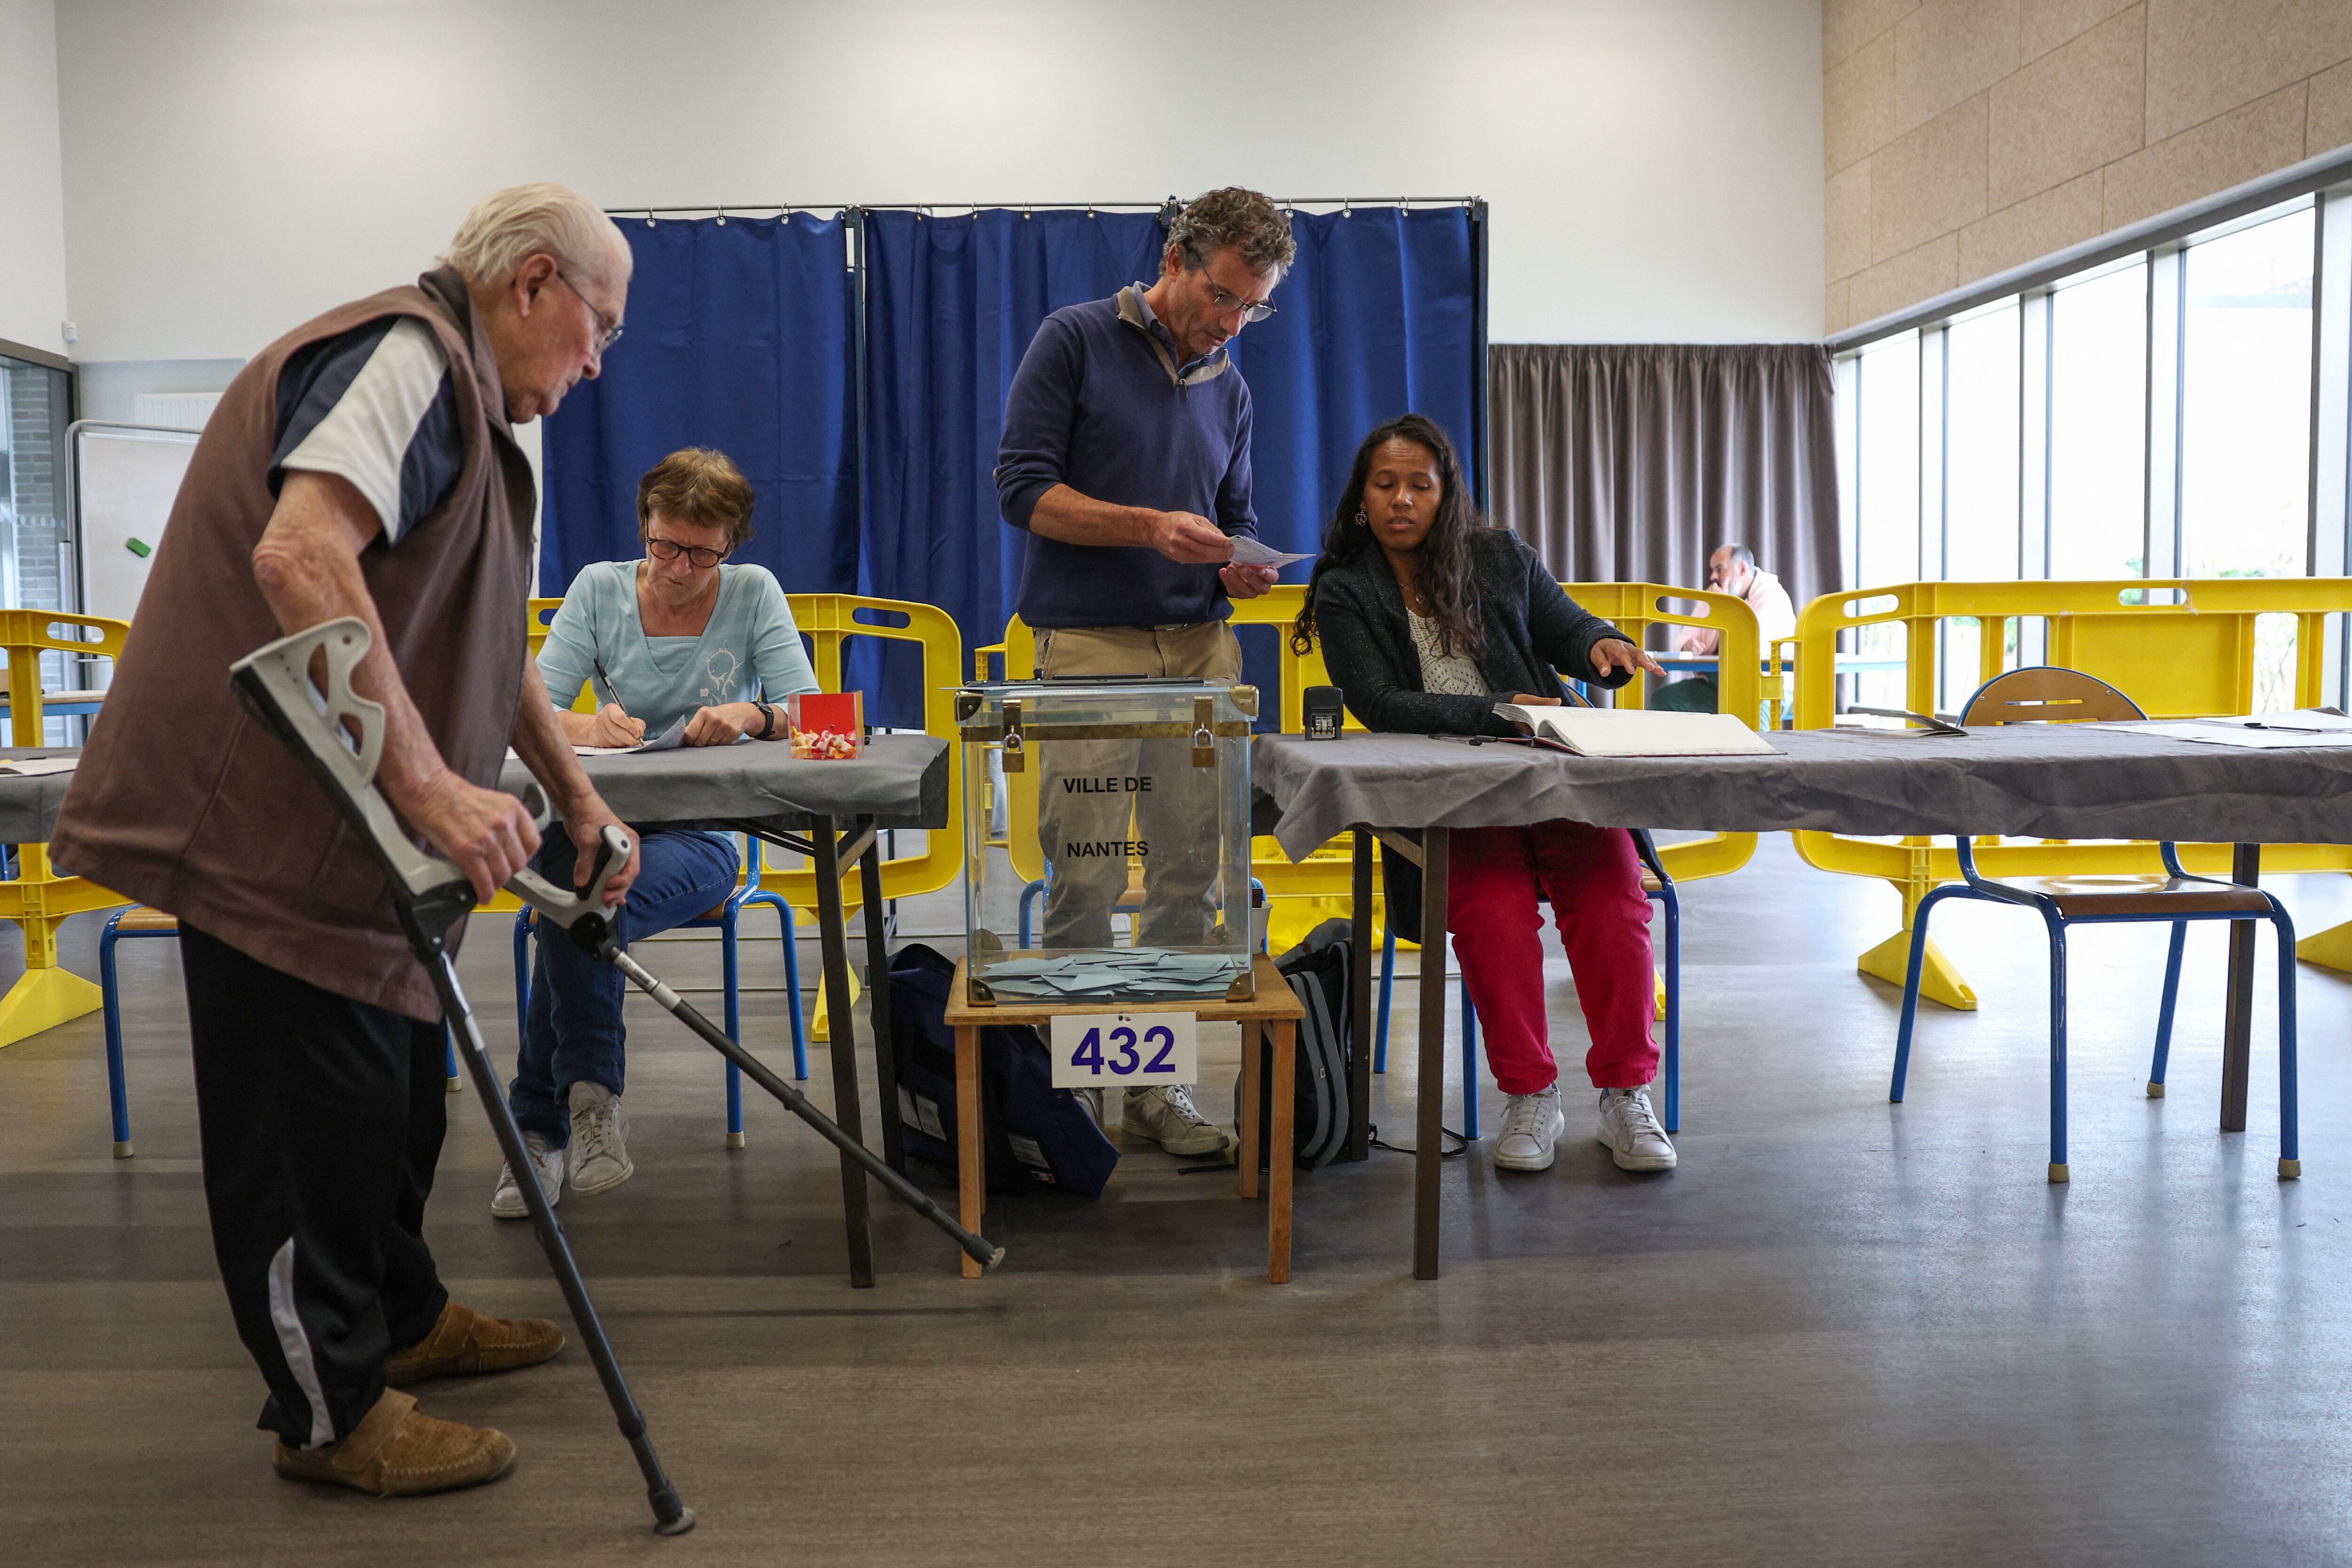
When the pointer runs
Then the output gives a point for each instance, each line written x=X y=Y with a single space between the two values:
x=321 y=1118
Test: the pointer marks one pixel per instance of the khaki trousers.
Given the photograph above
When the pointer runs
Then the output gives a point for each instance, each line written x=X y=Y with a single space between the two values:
x=1163 y=803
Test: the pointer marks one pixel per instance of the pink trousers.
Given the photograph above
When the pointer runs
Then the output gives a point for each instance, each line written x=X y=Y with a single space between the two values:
x=1593 y=878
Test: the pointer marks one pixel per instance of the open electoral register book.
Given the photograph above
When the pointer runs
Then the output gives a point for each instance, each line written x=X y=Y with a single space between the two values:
x=1636 y=732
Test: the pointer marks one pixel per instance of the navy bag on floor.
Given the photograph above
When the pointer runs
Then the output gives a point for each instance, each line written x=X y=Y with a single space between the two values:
x=1033 y=1134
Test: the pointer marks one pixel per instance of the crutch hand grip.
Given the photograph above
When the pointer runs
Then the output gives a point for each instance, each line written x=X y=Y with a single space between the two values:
x=580 y=910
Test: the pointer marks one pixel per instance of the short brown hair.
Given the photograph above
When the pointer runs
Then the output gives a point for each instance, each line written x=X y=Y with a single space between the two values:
x=1234 y=219
x=697 y=486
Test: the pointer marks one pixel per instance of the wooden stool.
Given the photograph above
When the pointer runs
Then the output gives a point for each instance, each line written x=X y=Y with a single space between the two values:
x=1276 y=1010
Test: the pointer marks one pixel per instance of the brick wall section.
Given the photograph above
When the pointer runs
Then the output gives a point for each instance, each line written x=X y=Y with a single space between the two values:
x=1965 y=137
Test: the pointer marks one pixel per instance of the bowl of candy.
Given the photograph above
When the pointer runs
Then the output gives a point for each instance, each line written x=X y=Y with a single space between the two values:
x=827 y=726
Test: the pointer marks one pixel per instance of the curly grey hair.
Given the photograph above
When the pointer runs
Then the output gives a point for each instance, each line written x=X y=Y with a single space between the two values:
x=1237 y=220
x=508 y=226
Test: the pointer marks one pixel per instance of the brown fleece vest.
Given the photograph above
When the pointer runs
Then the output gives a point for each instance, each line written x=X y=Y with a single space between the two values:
x=186 y=802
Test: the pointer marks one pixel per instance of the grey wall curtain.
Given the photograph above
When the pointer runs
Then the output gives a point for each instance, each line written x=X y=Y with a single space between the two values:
x=1632 y=462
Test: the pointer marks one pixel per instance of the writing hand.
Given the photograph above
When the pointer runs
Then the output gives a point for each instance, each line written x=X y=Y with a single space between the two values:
x=614 y=727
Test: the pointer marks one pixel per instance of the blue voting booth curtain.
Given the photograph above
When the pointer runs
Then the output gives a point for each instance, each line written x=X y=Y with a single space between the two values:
x=950 y=306
x=739 y=336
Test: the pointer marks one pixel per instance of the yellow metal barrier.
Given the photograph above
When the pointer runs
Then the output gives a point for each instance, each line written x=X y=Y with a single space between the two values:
x=38 y=899
x=2180 y=659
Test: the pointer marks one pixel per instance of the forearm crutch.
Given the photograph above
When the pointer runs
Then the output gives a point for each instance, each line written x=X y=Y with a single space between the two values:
x=338 y=736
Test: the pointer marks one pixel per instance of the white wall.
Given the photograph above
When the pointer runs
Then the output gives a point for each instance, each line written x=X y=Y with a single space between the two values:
x=32 y=200
x=1654 y=165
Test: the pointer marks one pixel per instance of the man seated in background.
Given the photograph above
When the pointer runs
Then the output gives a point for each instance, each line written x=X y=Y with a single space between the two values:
x=1732 y=569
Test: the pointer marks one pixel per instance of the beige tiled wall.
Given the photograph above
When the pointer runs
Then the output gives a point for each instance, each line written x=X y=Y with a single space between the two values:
x=1964 y=137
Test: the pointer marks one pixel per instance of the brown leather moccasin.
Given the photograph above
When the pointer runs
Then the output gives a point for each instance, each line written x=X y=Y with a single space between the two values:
x=399 y=1451
x=465 y=1343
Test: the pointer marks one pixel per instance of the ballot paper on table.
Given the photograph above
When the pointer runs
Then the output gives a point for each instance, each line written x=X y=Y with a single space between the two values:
x=1132 y=971
x=2264 y=733
x=1637 y=732
x=1248 y=551
x=34 y=767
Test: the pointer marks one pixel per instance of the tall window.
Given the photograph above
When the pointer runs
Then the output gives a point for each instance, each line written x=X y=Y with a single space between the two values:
x=2245 y=436
x=36 y=569
x=1886 y=545
x=1981 y=458
x=2098 y=426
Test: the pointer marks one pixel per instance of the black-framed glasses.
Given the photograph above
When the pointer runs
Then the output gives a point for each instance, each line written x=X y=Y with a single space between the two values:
x=607 y=332
x=1225 y=303
x=670 y=549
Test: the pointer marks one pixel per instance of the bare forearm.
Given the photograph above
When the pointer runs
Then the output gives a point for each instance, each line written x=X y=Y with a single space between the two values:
x=577 y=729
x=1062 y=514
x=542 y=740
x=307 y=579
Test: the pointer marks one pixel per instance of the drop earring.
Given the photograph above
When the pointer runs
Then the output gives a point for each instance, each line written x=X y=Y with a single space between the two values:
x=1362 y=520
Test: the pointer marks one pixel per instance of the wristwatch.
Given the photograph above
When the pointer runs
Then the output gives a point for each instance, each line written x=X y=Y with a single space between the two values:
x=767 y=719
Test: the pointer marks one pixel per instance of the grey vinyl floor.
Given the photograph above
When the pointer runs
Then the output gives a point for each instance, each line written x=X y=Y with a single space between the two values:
x=1842 y=1331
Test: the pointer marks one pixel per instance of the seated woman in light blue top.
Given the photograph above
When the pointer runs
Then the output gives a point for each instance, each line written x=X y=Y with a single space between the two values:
x=675 y=637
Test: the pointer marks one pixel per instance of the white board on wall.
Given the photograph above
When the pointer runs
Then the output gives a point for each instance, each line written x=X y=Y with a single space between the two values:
x=125 y=479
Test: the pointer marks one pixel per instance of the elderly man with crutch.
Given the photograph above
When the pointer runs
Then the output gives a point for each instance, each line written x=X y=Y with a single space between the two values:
x=362 y=466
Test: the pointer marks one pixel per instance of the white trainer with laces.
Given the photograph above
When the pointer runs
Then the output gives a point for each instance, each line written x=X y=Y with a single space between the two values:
x=600 y=1141
x=1631 y=1130
x=1532 y=1124
x=1168 y=1117
x=506 y=1202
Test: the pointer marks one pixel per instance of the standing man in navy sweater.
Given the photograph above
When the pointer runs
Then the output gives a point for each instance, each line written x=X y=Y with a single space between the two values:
x=1127 y=457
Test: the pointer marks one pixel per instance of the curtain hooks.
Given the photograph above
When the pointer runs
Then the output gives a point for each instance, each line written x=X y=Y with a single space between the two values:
x=1025 y=214
x=722 y=215
x=1344 y=211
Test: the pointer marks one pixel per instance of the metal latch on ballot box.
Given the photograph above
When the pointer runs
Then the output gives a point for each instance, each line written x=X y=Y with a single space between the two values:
x=1204 y=732
x=1015 y=758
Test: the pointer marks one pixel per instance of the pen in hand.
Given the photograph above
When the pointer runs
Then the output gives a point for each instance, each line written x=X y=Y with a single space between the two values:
x=614 y=693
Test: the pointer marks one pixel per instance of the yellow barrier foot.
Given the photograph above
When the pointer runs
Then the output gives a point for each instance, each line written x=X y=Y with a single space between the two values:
x=2330 y=949
x=122 y=1151
x=818 y=1025
x=2058 y=1175
x=2155 y=1090
x=735 y=1140
x=2290 y=1170
x=42 y=999
x=1889 y=962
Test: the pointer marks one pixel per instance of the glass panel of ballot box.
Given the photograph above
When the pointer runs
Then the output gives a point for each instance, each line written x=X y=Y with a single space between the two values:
x=1124 y=874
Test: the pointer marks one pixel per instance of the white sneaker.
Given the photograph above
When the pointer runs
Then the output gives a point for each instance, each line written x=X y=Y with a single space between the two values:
x=600 y=1141
x=1532 y=1124
x=1167 y=1116
x=1631 y=1130
x=506 y=1202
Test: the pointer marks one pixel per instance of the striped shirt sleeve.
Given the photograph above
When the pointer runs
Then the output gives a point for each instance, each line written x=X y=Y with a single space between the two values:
x=376 y=406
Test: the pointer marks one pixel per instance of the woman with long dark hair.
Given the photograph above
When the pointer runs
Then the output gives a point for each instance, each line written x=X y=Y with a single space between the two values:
x=1428 y=619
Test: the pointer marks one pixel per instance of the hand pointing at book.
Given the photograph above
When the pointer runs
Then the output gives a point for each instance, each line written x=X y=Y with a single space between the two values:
x=1615 y=654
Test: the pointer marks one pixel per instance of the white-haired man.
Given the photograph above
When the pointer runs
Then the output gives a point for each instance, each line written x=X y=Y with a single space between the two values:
x=361 y=465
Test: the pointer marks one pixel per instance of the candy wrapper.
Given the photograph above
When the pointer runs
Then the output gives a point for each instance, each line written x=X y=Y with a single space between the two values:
x=827 y=726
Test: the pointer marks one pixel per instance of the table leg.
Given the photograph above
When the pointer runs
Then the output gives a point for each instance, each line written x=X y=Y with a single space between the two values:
x=1279 y=1157
x=1360 y=999
x=972 y=1179
x=1252 y=1106
x=2237 y=1035
x=832 y=928
x=877 y=1002
x=1429 y=1092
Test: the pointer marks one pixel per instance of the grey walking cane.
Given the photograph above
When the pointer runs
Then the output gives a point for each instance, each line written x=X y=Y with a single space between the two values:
x=338 y=736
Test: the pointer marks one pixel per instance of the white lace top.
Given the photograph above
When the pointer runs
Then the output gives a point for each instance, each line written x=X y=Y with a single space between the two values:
x=1451 y=675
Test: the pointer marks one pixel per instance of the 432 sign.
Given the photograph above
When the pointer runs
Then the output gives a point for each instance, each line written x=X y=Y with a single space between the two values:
x=1092 y=1049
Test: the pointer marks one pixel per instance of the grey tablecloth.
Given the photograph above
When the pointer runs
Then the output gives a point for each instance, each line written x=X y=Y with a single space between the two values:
x=900 y=782
x=28 y=807
x=2037 y=781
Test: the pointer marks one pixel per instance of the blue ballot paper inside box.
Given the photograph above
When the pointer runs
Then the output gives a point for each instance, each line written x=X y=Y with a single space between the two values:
x=1123 y=875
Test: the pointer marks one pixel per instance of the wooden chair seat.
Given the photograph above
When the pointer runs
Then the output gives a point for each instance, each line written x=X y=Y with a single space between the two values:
x=139 y=917
x=1650 y=883
x=2147 y=898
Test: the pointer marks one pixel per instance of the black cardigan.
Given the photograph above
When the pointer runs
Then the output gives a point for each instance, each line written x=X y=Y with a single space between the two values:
x=1532 y=629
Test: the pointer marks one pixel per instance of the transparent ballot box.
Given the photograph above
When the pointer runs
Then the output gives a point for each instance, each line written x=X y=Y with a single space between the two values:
x=1124 y=876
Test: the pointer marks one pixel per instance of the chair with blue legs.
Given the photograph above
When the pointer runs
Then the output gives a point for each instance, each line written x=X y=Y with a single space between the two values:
x=138 y=920
x=1659 y=888
x=724 y=920
x=2051 y=694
